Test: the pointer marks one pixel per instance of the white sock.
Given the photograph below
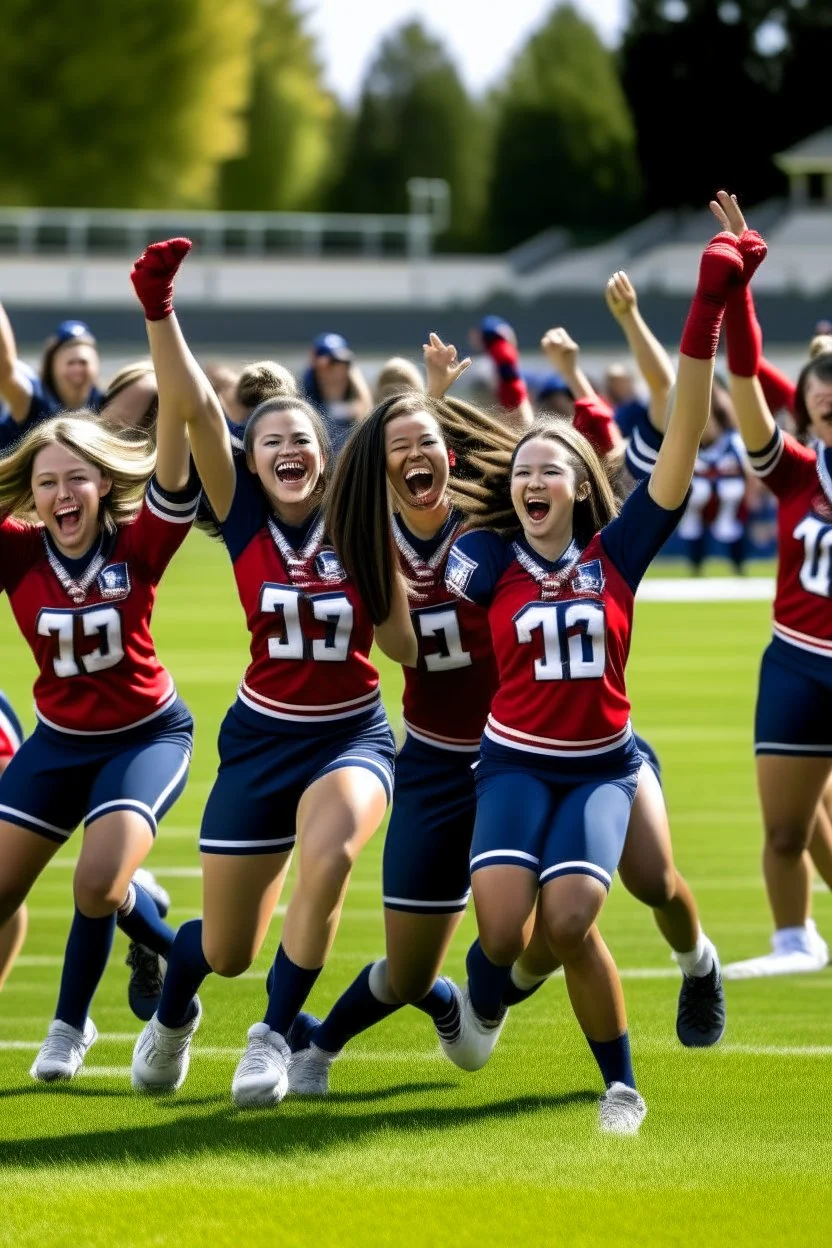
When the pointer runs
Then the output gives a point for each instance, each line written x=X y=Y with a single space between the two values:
x=378 y=985
x=129 y=902
x=701 y=959
x=523 y=980
x=793 y=939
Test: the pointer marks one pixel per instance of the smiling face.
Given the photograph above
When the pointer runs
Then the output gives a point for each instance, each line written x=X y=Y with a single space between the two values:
x=544 y=489
x=74 y=372
x=417 y=461
x=287 y=457
x=817 y=396
x=67 y=491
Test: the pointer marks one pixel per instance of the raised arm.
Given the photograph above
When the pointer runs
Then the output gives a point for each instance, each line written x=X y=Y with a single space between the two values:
x=720 y=269
x=650 y=356
x=742 y=331
x=500 y=343
x=13 y=389
x=190 y=417
x=442 y=366
x=563 y=353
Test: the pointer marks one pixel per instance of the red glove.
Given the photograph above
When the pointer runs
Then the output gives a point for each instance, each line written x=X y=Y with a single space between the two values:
x=594 y=418
x=744 y=337
x=153 y=273
x=720 y=269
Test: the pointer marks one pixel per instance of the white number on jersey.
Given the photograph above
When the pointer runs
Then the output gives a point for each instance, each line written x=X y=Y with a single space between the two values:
x=574 y=639
x=333 y=610
x=101 y=622
x=442 y=624
x=817 y=542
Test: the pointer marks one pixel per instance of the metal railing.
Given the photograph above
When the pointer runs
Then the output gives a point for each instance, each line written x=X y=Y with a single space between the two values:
x=102 y=232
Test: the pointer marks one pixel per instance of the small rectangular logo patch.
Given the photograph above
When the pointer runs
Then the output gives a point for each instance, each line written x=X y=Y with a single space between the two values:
x=458 y=571
x=329 y=567
x=589 y=578
x=114 y=581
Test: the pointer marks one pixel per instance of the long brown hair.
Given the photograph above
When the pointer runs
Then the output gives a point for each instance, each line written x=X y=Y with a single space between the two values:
x=590 y=514
x=820 y=367
x=358 y=508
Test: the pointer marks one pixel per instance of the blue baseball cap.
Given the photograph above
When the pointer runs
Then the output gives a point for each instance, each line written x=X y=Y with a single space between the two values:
x=333 y=345
x=67 y=330
x=552 y=383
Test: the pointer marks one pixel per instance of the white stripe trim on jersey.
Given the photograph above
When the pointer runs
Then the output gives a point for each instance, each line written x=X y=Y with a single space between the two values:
x=518 y=740
x=782 y=747
x=643 y=465
x=171 y=511
x=41 y=823
x=162 y=499
x=442 y=743
x=815 y=645
x=586 y=868
x=505 y=853
x=642 y=449
x=237 y=443
x=10 y=731
x=763 y=462
x=288 y=841
x=169 y=698
x=304 y=714
x=425 y=905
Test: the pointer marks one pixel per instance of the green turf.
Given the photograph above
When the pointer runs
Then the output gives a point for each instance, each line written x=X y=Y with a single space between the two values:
x=408 y=1150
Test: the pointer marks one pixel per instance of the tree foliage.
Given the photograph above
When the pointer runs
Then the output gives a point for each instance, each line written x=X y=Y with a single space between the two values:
x=120 y=104
x=565 y=151
x=288 y=122
x=414 y=119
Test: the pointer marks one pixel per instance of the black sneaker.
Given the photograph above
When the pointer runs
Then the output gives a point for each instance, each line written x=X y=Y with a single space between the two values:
x=146 y=979
x=700 y=1017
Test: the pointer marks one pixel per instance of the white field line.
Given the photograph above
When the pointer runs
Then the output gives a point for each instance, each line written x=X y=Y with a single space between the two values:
x=707 y=589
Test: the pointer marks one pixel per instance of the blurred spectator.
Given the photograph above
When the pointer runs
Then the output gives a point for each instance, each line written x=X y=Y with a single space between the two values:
x=554 y=396
x=619 y=385
x=224 y=380
x=717 y=508
x=396 y=376
x=67 y=379
x=334 y=384
x=263 y=380
x=131 y=400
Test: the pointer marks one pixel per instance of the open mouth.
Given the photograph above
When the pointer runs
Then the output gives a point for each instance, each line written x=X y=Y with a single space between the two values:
x=292 y=471
x=68 y=519
x=419 y=481
x=537 y=508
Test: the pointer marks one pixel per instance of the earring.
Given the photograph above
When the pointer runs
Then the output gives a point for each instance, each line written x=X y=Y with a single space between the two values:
x=451 y=459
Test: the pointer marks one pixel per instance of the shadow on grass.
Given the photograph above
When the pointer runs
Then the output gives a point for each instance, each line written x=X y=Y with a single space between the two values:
x=278 y=1132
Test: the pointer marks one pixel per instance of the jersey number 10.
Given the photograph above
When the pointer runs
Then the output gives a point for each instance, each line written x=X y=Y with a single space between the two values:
x=574 y=639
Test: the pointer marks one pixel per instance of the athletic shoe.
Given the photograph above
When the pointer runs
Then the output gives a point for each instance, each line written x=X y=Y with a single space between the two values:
x=475 y=1040
x=63 y=1051
x=147 y=975
x=300 y=1033
x=262 y=1075
x=810 y=953
x=621 y=1110
x=309 y=1071
x=700 y=1017
x=161 y=897
x=162 y=1055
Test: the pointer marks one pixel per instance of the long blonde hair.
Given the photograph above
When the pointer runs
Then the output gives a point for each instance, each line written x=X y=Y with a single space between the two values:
x=127 y=457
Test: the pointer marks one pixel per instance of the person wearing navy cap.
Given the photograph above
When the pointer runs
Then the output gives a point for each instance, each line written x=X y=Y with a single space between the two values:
x=67 y=379
x=336 y=387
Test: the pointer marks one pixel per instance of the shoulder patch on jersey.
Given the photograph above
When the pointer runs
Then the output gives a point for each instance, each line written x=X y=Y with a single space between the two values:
x=589 y=578
x=329 y=567
x=458 y=571
x=114 y=581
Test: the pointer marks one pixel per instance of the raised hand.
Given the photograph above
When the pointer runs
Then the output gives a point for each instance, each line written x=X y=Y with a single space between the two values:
x=153 y=273
x=442 y=365
x=561 y=350
x=620 y=294
x=728 y=213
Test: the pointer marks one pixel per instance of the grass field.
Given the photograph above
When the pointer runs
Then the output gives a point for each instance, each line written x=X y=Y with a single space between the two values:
x=408 y=1150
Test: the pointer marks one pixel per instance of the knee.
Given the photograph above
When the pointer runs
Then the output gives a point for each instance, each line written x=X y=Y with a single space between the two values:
x=567 y=930
x=786 y=840
x=96 y=896
x=228 y=963
x=11 y=901
x=502 y=943
x=324 y=876
x=410 y=985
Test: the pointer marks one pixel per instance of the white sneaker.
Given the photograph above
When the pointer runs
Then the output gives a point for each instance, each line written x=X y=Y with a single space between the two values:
x=63 y=1051
x=262 y=1075
x=162 y=1055
x=621 y=1110
x=309 y=1071
x=797 y=955
x=476 y=1039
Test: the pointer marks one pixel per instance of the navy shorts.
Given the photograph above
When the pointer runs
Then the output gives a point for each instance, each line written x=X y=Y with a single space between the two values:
x=263 y=774
x=527 y=817
x=649 y=756
x=793 y=703
x=428 y=840
x=11 y=729
x=56 y=781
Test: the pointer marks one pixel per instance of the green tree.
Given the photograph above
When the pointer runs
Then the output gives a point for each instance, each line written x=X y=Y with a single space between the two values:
x=564 y=150
x=414 y=119
x=289 y=120
x=126 y=104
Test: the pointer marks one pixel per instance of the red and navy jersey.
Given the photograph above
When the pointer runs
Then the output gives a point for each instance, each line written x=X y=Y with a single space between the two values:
x=801 y=479
x=87 y=620
x=310 y=632
x=11 y=729
x=448 y=694
x=717 y=499
x=643 y=445
x=561 y=631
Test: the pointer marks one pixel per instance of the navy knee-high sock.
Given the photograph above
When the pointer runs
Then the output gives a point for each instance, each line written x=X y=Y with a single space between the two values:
x=355 y=1011
x=486 y=983
x=139 y=919
x=440 y=1004
x=187 y=968
x=291 y=985
x=614 y=1060
x=87 y=951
